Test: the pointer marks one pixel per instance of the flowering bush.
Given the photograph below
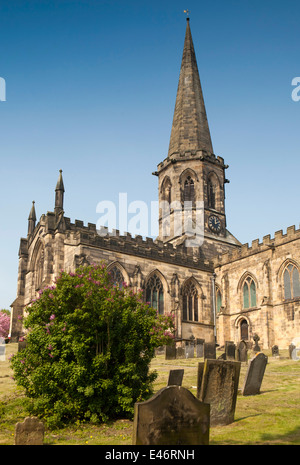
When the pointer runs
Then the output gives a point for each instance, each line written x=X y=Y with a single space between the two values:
x=4 y=324
x=89 y=346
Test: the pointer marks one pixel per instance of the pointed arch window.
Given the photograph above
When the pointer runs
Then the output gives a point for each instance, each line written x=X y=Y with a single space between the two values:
x=166 y=190
x=249 y=293
x=190 y=302
x=218 y=300
x=155 y=293
x=189 y=190
x=39 y=269
x=291 y=282
x=211 y=194
x=117 y=276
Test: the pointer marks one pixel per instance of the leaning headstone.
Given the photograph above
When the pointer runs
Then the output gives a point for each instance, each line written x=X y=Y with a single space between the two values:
x=199 y=377
x=170 y=352
x=2 y=349
x=230 y=350
x=30 y=432
x=210 y=350
x=173 y=416
x=242 y=352
x=275 y=351
x=175 y=377
x=219 y=388
x=254 y=375
x=199 y=347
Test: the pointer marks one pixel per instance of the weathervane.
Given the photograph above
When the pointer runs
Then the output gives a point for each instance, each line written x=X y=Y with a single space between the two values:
x=187 y=13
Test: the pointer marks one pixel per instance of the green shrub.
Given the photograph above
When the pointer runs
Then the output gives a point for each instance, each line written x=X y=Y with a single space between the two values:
x=89 y=347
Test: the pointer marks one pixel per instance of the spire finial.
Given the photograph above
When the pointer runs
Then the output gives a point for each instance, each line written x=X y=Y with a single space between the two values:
x=59 y=194
x=187 y=14
x=31 y=219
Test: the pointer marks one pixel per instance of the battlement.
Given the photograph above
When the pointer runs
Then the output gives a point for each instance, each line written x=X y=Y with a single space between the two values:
x=267 y=243
x=148 y=248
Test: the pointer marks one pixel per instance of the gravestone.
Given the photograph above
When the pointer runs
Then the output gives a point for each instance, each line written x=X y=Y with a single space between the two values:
x=256 y=347
x=170 y=352
x=175 y=377
x=22 y=345
x=242 y=352
x=173 y=416
x=230 y=350
x=30 y=432
x=275 y=351
x=180 y=352
x=189 y=351
x=291 y=348
x=2 y=349
x=218 y=382
x=199 y=347
x=254 y=375
x=296 y=349
x=209 y=350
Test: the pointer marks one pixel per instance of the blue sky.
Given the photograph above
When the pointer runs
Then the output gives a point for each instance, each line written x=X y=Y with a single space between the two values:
x=91 y=88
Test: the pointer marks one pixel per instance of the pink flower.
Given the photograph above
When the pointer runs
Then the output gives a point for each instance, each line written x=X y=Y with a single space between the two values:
x=52 y=317
x=50 y=355
x=49 y=347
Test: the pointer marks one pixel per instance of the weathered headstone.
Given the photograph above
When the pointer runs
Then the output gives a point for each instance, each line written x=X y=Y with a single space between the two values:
x=199 y=377
x=175 y=377
x=210 y=350
x=254 y=375
x=230 y=350
x=199 y=347
x=275 y=351
x=173 y=416
x=180 y=352
x=22 y=345
x=30 y=432
x=189 y=351
x=256 y=347
x=291 y=348
x=295 y=353
x=170 y=352
x=219 y=387
x=2 y=349
x=242 y=352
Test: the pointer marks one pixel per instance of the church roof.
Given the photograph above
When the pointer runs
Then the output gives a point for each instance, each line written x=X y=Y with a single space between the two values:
x=190 y=130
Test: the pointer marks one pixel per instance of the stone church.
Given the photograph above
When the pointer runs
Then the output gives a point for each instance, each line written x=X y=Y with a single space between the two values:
x=220 y=289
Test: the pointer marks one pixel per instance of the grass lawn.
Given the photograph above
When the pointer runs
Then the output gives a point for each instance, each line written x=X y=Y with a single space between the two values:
x=272 y=417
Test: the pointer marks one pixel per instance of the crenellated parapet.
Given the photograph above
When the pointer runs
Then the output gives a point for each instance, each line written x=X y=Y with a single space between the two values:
x=267 y=243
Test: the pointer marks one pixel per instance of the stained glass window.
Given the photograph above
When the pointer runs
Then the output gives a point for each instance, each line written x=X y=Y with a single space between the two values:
x=249 y=293
x=291 y=282
x=155 y=293
x=190 y=300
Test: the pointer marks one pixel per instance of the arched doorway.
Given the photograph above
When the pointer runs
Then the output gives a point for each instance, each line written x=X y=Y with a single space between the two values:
x=244 y=330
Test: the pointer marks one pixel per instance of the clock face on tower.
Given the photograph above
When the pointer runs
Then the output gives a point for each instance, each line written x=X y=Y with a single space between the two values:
x=214 y=223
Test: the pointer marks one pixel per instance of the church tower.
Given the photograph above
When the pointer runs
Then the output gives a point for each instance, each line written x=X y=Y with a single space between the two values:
x=191 y=174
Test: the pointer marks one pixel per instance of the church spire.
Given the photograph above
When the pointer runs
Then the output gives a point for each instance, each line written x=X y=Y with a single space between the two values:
x=31 y=219
x=190 y=131
x=59 y=194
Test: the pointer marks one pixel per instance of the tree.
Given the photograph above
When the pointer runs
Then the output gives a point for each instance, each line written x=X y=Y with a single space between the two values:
x=4 y=323
x=89 y=347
